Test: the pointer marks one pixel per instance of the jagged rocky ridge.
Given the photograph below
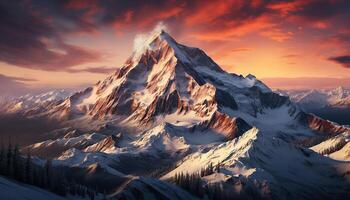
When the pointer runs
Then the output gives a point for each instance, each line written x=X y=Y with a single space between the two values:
x=172 y=109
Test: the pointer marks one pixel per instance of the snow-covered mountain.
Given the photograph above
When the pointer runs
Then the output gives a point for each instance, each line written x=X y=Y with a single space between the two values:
x=337 y=147
x=30 y=102
x=170 y=109
x=337 y=97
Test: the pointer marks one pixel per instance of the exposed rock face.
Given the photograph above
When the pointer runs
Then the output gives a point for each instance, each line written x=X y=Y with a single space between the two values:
x=320 y=125
x=225 y=99
x=273 y=100
x=107 y=144
x=225 y=125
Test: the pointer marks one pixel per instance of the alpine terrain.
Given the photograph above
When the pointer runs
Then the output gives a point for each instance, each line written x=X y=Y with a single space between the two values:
x=332 y=104
x=171 y=124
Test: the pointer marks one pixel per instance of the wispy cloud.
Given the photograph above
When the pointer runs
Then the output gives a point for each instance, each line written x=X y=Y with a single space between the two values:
x=97 y=70
x=241 y=49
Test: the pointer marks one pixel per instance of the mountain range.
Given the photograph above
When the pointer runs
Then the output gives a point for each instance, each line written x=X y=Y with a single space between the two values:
x=335 y=98
x=170 y=111
x=331 y=104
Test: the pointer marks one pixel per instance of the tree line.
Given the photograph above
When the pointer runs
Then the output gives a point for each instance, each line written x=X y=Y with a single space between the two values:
x=194 y=184
x=22 y=168
x=334 y=148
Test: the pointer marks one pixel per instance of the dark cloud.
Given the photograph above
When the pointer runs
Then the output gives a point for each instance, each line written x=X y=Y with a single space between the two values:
x=343 y=60
x=13 y=85
x=324 y=14
x=316 y=10
x=341 y=38
x=29 y=39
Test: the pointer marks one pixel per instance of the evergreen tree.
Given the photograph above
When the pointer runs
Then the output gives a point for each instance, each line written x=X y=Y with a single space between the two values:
x=16 y=164
x=9 y=168
x=104 y=195
x=217 y=168
x=48 y=174
x=2 y=158
x=13 y=165
x=28 y=169
x=91 y=194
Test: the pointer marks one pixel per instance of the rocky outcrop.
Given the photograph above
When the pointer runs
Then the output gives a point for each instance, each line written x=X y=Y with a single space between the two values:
x=319 y=125
x=107 y=144
x=225 y=99
x=224 y=125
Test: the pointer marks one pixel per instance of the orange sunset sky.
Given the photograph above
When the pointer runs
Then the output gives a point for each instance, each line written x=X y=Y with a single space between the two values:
x=71 y=44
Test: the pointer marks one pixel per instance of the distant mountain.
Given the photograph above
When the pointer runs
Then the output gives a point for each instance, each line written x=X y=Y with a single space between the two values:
x=331 y=104
x=30 y=102
x=336 y=98
x=170 y=115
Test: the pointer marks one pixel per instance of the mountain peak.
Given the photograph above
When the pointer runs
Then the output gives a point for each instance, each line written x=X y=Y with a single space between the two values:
x=144 y=42
x=339 y=89
x=161 y=77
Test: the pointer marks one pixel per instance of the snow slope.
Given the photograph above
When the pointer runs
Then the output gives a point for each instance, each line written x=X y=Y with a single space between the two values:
x=266 y=159
x=52 y=148
x=336 y=147
x=11 y=190
x=151 y=189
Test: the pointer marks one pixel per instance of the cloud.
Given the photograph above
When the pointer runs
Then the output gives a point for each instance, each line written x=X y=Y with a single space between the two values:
x=33 y=32
x=241 y=49
x=230 y=19
x=97 y=70
x=277 y=35
x=341 y=37
x=13 y=86
x=343 y=60
x=311 y=10
x=291 y=56
x=32 y=40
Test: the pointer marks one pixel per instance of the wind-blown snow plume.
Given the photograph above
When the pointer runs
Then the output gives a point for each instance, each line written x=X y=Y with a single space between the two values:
x=142 y=39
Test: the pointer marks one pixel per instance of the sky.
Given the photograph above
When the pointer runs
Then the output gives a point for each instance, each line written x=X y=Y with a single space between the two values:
x=295 y=44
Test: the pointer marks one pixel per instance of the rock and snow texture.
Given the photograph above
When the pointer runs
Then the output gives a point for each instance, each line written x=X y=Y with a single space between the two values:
x=52 y=148
x=261 y=157
x=29 y=102
x=337 y=147
x=337 y=98
x=165 y=78
x=148 y=188
x=172 y=109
